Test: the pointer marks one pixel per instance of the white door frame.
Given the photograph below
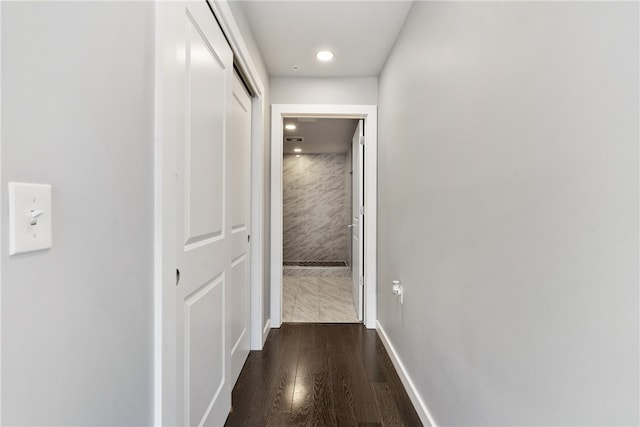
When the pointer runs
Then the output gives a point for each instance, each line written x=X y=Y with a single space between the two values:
x=165 y=204
x=357 y=198
x=370 y=115
x=1 y=248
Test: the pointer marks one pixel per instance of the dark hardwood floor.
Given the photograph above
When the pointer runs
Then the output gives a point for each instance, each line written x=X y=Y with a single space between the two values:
x=321 y=375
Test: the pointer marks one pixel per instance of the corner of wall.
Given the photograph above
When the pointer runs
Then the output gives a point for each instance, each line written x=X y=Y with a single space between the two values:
x=414 y=395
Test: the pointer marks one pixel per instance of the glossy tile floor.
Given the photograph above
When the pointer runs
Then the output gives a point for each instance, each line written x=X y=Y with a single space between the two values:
x=318 y=299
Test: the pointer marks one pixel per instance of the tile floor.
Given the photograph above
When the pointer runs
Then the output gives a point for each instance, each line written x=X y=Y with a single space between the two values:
x=318 y=299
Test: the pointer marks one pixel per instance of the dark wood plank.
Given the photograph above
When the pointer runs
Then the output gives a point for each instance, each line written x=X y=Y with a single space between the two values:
x=397 y=390
x=386 y=405
x=321 y=375
x=324 y=404
x=278 y=389
x=313 y=398
x=257 y=365
x=345 y=406
x=263 y=392
x=350 y=374
x=280 y=409
x=370 y=356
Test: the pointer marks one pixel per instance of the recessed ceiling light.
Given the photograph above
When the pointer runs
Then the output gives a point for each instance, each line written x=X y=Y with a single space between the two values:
x=297 y=150
x=325 y=55
x=290 y=126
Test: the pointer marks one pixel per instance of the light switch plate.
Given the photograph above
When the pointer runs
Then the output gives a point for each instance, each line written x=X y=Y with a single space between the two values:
x=29 y=217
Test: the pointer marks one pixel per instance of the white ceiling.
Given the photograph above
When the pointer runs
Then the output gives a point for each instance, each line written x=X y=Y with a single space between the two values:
x=322 y=136
x=360 y=33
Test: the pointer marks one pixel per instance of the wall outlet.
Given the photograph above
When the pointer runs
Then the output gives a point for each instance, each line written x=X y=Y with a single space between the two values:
x=398 y=289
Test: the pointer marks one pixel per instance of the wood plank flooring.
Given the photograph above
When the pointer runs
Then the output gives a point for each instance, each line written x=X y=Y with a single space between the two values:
x=321 y=375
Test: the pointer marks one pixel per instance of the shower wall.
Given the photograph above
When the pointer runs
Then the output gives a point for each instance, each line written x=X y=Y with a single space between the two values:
x=316 y=210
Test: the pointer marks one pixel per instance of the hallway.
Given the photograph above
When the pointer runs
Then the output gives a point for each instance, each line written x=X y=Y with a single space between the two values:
x=499 y=215
x=325 y=375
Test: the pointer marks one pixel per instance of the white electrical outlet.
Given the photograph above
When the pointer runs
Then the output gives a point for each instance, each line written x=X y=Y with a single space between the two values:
x=29 y=217
x=398 y=289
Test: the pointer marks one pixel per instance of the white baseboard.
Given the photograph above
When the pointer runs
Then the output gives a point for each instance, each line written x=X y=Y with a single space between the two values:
x=414 y=396
x=265 y=331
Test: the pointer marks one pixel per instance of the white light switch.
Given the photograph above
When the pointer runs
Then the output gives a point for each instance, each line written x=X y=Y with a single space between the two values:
x=29 y=217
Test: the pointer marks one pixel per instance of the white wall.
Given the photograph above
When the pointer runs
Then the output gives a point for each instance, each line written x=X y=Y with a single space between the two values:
x=350 y=91
x=77 y=106
x=509 y=209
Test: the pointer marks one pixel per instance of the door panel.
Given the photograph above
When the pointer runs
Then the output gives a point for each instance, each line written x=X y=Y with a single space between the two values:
x=203 y=387
x=239 y=332
x=204 y=344
x=204 y=138
x=239 y=203
x=357 y=220
x=239 y=153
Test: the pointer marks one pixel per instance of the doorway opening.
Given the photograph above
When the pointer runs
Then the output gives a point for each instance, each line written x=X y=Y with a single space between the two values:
x=317 y=188
x=313 y=258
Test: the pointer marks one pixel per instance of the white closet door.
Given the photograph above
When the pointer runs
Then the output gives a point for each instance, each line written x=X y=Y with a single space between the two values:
x=204 y=237
x=238 y=230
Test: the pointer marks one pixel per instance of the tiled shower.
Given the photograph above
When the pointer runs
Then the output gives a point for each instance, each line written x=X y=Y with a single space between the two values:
x=316 y=211
x=316 y=238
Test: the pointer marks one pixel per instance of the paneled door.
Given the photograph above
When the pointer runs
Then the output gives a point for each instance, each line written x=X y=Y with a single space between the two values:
x=357 y=222
x=205 y=218
x=238 y=230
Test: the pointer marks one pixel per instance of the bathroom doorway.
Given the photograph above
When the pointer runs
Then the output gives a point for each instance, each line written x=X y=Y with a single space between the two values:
x=318 y=227
x=368 y=115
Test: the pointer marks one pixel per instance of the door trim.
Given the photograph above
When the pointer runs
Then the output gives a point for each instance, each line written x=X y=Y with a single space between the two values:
x=1 y=248
x=357 y=274
x=370 y=115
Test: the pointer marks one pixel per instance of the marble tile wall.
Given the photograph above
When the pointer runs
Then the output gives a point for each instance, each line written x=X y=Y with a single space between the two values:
x=316 y=211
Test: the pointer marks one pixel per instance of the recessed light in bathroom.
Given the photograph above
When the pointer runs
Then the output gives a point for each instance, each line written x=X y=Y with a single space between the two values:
x=297 y=150
x=290 y=126
x=325 y=55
